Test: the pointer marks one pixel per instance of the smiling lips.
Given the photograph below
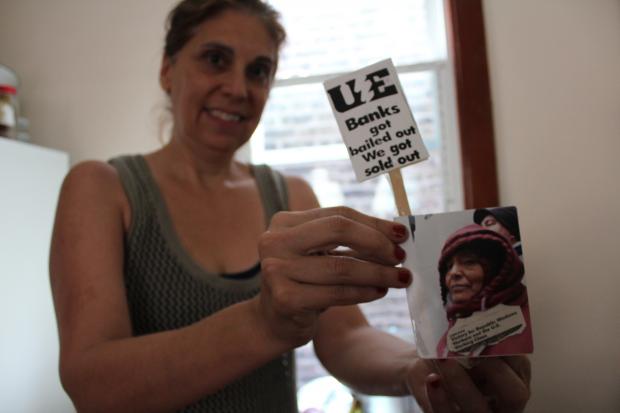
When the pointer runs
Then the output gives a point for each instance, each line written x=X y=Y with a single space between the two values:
x=459 y=288
x=226 y=116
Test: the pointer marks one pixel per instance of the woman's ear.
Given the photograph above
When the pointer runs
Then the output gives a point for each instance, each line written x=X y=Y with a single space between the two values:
x=165 y=75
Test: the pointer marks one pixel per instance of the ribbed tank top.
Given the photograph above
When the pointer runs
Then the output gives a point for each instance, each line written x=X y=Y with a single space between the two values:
x=166 y=289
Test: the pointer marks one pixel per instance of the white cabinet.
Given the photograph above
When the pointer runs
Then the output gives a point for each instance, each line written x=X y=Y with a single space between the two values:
x=30 y=179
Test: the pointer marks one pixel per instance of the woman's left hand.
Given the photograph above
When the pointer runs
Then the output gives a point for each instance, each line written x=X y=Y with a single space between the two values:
x=303 y=275
x=493 y=384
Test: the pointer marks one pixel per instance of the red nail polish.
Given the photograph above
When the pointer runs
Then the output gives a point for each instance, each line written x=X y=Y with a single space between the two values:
x=404 y=276
x=435 y=383
x=400 y=231
x=399 y=253
x=382 y=290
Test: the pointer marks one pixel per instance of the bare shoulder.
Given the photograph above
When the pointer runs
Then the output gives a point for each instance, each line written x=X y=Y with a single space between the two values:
x=94 y=184
x=91 y=177
x=301 y=195
x=91 y=207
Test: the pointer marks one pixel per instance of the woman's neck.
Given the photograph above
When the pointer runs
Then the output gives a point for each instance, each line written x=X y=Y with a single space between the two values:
x=210 y=170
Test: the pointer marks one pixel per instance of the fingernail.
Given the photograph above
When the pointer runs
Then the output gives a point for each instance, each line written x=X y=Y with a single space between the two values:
x=404 y=276
x=399 y=253
x=382 y=290
x=434 y=382
x=400 y=231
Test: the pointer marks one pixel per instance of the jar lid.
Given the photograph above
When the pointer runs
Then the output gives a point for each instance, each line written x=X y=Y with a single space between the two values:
x=10 y=90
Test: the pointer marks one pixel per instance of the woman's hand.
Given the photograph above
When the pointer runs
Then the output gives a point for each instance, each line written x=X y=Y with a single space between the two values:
x=303 y=274
x=493 y=384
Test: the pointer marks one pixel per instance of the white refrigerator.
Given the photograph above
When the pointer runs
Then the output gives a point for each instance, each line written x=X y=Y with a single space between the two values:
x=30 y=180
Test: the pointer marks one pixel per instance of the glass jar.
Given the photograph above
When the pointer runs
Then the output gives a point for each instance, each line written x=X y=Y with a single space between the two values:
x=8 y=111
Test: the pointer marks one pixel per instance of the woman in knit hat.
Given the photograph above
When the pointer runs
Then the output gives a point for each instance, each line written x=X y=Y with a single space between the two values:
x=503 y=220
x=478 y=270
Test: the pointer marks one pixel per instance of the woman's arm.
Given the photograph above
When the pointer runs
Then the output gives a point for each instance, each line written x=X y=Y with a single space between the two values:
x=103 y=368
x=366 y=359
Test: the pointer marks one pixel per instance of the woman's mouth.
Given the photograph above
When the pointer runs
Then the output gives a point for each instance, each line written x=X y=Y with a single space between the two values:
x=225 y=116
x=459 y=288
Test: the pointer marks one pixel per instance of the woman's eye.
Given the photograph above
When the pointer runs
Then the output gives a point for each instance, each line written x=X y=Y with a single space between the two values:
x=260 y=72
x=214 y=58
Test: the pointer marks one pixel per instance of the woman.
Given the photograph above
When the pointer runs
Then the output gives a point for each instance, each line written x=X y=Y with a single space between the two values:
x=177 y=286
x=479 y=269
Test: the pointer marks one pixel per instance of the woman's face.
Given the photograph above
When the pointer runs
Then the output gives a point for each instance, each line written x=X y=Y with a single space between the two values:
x=465 y=276
x=219 y=81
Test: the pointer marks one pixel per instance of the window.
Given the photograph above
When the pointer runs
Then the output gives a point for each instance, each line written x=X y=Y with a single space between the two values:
x=299 y=135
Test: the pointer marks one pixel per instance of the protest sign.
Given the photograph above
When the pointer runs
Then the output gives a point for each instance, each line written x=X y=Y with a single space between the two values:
x=375 y=120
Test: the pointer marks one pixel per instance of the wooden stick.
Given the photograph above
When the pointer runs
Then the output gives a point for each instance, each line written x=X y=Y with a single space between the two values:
x=400 y=195
x=402 y=205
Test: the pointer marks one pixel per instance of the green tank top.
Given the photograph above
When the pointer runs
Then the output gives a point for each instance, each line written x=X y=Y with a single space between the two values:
x=168 y=290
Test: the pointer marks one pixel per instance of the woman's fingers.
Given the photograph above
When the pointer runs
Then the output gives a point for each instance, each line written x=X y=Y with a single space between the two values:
x=326 y=233
x=505 y=383
x=460 y=387
x=339 y=270
x=437 y=395
x=394 y=231
x=290 y=297
x=495 y=384
x=521 y=366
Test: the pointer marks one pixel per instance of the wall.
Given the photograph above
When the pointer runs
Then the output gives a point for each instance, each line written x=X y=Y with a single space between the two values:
x=89 y=72
x=554 y=68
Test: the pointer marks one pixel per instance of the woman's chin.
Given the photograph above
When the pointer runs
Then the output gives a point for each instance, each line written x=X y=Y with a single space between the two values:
x=460 y=299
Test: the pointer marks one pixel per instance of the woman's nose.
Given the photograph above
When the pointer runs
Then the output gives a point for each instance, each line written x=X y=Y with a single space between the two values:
x=235 y=84
x=455 y=272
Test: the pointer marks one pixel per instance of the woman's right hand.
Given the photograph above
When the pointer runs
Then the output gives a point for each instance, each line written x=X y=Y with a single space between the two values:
x=492 y=384
x=304 y=274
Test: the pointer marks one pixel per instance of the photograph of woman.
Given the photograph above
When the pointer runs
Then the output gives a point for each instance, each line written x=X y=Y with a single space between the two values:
x=479 y=269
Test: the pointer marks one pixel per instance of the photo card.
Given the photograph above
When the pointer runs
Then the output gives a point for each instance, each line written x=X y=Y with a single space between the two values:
x=469 y=295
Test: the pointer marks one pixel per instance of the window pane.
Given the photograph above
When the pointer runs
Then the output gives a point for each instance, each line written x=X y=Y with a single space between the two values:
x=299 y=116
x=327 y=36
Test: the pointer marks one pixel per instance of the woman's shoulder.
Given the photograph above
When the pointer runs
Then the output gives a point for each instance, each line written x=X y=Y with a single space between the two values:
x=93 y=184
x=93 y=177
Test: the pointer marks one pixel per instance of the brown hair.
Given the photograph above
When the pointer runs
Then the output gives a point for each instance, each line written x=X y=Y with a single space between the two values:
x=189 y=14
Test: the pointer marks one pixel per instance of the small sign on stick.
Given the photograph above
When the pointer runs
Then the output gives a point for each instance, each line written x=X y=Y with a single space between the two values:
x=375 y=120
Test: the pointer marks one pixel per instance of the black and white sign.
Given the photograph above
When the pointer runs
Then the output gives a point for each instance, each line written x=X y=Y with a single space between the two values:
x=375 y=120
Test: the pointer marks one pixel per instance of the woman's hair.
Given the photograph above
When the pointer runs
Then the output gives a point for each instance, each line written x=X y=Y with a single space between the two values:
x=185 y=18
